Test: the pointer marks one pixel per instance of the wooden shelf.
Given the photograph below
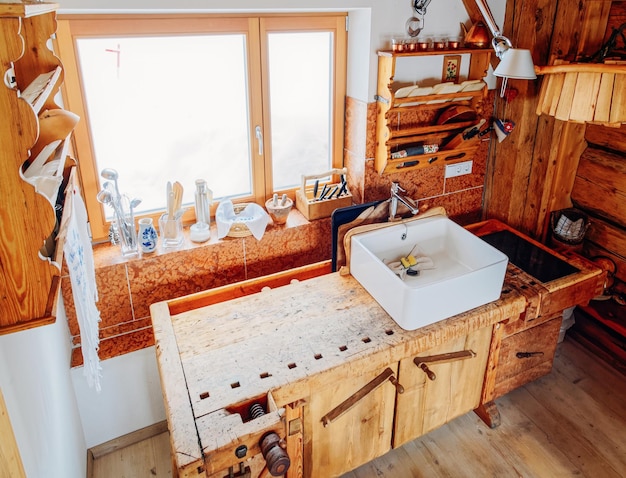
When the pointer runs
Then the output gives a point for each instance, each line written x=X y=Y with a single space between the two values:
x=26 y=9
x=393 y=130
x=431 y=159
x=32 y=213
x=433 y=52
x=38 y=92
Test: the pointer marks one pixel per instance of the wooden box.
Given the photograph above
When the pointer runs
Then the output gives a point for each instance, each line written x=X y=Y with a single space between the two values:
x=316 y=208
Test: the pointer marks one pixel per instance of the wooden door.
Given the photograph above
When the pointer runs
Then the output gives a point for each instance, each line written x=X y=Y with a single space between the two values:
x=359 y=435
x=429 y=403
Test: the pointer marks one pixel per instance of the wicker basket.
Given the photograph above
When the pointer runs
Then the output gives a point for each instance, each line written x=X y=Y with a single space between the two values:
x=569 y=225
x=239 y=229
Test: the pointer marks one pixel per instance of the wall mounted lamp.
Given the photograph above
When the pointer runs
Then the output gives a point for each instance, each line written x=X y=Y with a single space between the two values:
x=515 y=63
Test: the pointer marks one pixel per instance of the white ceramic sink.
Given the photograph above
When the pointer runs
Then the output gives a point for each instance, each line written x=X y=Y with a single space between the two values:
x=467 y=271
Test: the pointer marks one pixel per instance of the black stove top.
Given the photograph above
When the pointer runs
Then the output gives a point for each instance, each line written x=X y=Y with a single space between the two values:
x=542 y=265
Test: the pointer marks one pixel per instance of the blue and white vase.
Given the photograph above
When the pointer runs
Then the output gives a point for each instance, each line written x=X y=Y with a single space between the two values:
x=147 y=235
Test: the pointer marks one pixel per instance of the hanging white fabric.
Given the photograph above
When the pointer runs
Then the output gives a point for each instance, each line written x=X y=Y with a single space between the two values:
x=79 y=258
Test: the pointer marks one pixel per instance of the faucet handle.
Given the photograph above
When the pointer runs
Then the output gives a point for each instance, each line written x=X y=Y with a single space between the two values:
x=395 y=187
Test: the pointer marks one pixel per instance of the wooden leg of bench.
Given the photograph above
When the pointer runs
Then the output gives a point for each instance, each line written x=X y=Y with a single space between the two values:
x=488 y=413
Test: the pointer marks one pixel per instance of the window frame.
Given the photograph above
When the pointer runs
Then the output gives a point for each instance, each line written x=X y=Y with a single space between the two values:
x=255 y=27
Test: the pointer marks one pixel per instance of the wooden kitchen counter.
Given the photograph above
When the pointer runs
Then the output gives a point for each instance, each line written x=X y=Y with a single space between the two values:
x=289 y=342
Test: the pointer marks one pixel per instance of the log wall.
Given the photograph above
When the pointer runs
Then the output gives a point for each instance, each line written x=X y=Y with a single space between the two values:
x=531 y=173
x=600 y=191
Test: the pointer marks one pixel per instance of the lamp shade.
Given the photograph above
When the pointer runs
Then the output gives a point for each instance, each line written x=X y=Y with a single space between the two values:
x=516 y=63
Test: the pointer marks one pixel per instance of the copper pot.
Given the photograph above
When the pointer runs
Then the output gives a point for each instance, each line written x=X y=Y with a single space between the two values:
x=477 y=36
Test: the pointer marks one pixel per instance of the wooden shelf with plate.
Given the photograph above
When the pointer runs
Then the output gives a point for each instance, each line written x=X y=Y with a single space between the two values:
x=37 y=171
x=409 y=116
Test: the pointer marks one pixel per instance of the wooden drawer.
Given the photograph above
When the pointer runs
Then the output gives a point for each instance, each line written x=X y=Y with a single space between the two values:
x=515 y=371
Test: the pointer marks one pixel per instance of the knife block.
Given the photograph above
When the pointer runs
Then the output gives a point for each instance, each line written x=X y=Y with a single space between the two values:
x=316 y=208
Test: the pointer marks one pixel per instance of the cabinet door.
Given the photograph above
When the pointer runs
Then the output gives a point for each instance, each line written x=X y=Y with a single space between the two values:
x=426 y=403
x=527 y=355
x=357 y=436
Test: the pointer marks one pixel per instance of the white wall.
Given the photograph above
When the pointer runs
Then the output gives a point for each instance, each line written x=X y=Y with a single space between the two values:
x=130 y=399
x=35 y=381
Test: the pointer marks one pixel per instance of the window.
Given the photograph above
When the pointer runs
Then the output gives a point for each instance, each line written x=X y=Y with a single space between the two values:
x=247 y=103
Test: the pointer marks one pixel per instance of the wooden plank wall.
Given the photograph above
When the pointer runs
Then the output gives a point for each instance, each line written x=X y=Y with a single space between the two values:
x=531 y=173
x=600 y=191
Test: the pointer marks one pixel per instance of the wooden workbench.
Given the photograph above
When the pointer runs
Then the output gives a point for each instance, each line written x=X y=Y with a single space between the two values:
x=298 y=337
x=280 y=345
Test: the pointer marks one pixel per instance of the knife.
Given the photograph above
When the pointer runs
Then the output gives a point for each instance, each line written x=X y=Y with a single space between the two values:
x=343 y=189
x=315 y=188
x=323 y=193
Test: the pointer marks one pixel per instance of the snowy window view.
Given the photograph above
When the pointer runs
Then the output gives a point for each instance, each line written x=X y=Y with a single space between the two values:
x=300 y=99
x=177 y=108
x=158 y=114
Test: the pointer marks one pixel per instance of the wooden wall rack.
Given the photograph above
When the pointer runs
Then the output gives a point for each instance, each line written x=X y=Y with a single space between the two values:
x=393 y=132
x=30 y=247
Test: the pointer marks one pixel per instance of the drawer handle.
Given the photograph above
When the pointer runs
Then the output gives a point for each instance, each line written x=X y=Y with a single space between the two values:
x=343 y=407
x=422 y=362
x=521 y=355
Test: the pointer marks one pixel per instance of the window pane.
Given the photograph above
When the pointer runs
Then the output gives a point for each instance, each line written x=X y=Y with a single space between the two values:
x=300 y=102
x=169 y=108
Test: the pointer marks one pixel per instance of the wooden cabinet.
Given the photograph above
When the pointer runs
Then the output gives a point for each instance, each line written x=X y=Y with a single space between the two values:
x=527 y=355
x=523 y=350
x=440 y=385
x=409 y=121
x=338 y=439
x=329 y=355
x=35 y=171
x=353 y=421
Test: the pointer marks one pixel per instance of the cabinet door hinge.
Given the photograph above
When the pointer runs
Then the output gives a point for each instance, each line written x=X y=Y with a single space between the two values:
x=347 y=23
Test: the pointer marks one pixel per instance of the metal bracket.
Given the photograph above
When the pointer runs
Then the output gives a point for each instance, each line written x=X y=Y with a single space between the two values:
x=244 y=472
x=381 y=99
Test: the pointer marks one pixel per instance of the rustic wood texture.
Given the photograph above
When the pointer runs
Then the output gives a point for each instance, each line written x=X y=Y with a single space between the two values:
x=247 y=287
x=10 y=459
x=600 y=185
x=356 y=437
x=546 y=299
x=568 y=423
x=28 y=283
x=516 y=371
x=186 y=451
x=531 y=169
x=393 y=130
x=146 y=458
x=545 y=302
x=427 y=404
x=294 y=419
x=610 y=240
x=489 y=382
x=583 y=92
x=293 y=340
x=609 y=138
x=297 y=339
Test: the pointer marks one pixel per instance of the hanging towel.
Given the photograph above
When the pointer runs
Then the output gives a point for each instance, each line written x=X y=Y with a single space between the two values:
x=79 y=258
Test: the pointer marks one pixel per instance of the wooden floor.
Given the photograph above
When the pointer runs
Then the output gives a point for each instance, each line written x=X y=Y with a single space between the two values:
x=569 y=423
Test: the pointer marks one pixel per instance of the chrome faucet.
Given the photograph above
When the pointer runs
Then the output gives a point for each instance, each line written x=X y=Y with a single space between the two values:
x=396 y=189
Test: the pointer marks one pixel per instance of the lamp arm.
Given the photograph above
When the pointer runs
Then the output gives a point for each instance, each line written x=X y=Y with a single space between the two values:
x=488 y=17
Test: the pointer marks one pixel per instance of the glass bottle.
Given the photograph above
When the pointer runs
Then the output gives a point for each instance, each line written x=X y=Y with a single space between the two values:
x=201 y=230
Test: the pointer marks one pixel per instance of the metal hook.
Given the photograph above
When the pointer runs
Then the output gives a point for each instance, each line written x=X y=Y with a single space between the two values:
x=406 y=231
x=420 y=6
